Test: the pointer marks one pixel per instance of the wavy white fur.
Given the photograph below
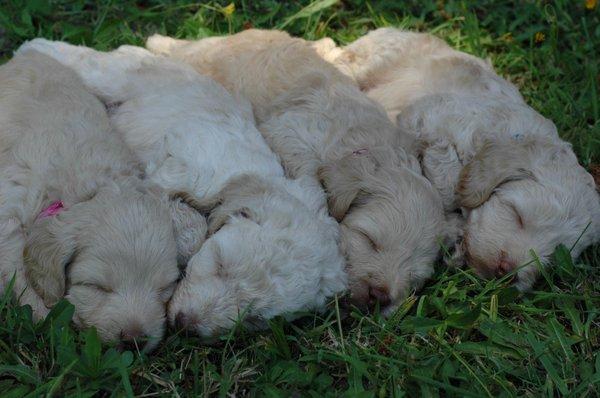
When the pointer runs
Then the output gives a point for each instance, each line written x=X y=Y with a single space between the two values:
x=273 y=249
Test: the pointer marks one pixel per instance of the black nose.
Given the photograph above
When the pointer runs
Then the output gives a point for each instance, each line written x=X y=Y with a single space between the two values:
x=184 y=322
x=132 y=340
x=379 y=294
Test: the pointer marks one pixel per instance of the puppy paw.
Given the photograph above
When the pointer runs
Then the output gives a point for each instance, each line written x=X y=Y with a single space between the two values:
x=442 y=166
x=162 y=45
x=190 y=229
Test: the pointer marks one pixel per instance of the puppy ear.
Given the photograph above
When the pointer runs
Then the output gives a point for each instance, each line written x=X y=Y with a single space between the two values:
x=344 y=180
x=189 y=226
x=51 y=246
x=163 y=45
x=495 y=164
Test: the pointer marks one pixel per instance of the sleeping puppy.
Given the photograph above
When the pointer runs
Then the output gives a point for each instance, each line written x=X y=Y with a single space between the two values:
x=72 y=203
x=272 y=247
x=395 y=68
x=322 y=126
x=520 y=186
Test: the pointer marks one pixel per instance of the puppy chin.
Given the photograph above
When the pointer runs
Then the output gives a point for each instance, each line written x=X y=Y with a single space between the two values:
x=526 y=277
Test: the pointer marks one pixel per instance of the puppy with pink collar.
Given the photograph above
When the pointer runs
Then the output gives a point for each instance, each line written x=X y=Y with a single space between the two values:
x=76 y=220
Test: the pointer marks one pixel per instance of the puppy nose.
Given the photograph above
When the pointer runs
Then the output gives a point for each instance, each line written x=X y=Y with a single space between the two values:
x=379 y=294
x=183 y=321
x=132 y=339
x=504 y=266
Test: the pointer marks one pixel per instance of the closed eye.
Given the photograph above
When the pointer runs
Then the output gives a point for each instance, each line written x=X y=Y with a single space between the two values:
x=244 y=212
x=370 y=240
x=167 y=291
x=517 y=216
x=94 y=286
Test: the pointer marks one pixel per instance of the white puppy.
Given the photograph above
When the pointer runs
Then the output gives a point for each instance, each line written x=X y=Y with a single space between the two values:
x=72 y=202
x=273 y=249
x=519 y=185
x=320 y=124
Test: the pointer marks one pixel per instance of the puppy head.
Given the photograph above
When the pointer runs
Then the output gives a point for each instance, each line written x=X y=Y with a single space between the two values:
x=269 y=253
x=113 y=257
x=391 y=224
x=523 y=197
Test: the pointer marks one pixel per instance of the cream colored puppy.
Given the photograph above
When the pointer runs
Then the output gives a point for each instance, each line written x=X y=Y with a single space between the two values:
x=71 y=201
x=396 y=68
x=519 y=185
x=273 y=249
x=321 y=125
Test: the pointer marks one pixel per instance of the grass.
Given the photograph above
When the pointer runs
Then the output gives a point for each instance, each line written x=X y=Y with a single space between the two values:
x=459 y=337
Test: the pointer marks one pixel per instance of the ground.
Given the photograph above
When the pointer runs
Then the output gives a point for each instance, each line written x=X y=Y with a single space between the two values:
x=459 y=336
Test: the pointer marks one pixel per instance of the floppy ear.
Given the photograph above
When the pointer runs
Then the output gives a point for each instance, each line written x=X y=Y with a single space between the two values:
x=344 y=180
x=163 y=45
x=495 y=164
x=51 y=246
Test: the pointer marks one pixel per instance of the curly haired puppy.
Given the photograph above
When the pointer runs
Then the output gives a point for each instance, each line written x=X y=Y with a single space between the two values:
x=72 y=203
x=272 y=247
x=321 y=125
x=520 y=186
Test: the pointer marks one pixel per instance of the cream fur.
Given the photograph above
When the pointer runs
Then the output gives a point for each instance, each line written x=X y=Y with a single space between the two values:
x=111 y=251
x=520 y=186
x=273 y=249
x=320 y=124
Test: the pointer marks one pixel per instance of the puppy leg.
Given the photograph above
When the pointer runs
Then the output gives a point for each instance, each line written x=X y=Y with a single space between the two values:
x=12 y=244
x=163 y=45
x=190 y=229
x=442 y=167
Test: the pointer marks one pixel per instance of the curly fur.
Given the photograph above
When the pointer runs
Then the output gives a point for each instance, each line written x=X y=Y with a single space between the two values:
x=320 y=124
x=272 y=247
x=520 y=186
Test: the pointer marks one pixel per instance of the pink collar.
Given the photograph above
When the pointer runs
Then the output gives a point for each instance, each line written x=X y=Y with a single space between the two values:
x=52 y=210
